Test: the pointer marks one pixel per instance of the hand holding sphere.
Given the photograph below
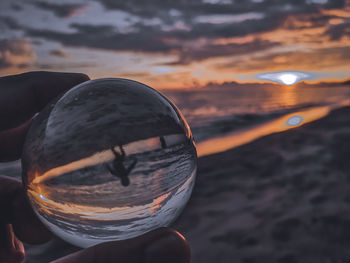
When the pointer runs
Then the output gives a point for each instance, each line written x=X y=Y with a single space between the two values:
x=21 y=97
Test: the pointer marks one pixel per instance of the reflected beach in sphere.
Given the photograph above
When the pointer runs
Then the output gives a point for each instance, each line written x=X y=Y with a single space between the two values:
x=111 y=159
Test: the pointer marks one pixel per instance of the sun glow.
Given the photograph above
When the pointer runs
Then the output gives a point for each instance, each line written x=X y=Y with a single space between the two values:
x=288 y=79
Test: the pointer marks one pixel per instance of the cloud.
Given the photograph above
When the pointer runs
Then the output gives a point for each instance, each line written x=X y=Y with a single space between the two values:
x=193 y=8
x=189 y=31
x=318 y=59
x=107 y=37
x=9 y=22
x=60 y=10
x=15 y=53
x=336 y=32
x=16 y=7
x=151 y=39
x=182 y=23
x=221 y=19
x=198 y=53
x=65 y=66
x=59 y=53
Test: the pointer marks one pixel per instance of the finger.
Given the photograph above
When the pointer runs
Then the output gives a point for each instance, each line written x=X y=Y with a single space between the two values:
x=23 y=95
x=11 y=249
x=161 y=245
x=15 y=209
x=12 y=141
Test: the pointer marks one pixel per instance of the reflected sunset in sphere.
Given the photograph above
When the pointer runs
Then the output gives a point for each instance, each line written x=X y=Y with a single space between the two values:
x=109 y=160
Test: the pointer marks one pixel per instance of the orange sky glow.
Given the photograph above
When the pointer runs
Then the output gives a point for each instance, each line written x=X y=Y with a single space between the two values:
x=174 y=47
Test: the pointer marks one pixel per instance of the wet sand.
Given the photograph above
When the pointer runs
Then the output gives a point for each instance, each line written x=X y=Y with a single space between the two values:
x=282 y=198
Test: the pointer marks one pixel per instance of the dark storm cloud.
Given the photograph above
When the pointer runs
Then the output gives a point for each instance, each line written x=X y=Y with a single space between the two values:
x=60 y=10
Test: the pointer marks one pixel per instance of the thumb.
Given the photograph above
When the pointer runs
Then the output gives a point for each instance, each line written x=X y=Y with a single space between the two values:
x=161 y=245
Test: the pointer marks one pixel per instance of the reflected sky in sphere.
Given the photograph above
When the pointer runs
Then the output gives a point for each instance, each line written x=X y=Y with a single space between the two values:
x=111 y=159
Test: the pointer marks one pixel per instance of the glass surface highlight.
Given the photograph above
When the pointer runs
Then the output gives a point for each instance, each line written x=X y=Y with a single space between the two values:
x=111 y=159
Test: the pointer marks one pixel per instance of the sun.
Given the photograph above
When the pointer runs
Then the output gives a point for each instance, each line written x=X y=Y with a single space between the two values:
x=285 y=77
x=288 y=78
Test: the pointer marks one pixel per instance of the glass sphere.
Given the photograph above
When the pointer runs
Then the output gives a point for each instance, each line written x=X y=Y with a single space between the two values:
x=111 y=159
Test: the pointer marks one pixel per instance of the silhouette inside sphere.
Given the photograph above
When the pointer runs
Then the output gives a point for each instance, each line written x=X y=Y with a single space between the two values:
x=162 y=142
x=108 y=160
x=118 y=168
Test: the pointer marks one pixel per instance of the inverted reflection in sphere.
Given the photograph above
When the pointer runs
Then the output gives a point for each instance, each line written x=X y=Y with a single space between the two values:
x=111 y=159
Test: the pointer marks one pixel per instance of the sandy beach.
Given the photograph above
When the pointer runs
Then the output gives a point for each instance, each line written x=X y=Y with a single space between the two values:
x=281 y=198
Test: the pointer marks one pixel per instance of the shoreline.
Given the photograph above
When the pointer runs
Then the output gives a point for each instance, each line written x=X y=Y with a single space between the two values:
x=286 y=122
x=281 y=198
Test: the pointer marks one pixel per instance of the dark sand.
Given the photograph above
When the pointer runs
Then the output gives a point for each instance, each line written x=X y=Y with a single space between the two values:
x=282 y=198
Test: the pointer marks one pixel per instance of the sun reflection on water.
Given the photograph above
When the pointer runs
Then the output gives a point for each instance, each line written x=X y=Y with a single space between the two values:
x=289 y=121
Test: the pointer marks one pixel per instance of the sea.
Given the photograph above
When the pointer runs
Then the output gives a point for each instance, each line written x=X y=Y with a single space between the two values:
x=215 y=112
x=218 y=112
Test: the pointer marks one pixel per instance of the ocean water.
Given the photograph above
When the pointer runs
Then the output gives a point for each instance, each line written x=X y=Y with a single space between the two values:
x=217 y=111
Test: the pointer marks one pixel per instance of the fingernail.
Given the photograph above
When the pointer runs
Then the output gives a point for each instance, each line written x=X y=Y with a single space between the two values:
x=170 y=247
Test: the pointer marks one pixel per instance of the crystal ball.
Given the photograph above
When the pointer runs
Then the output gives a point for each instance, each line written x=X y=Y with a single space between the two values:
x=108 y=160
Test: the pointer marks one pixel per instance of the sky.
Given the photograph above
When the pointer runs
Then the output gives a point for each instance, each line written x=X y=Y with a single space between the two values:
x=177 y=44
